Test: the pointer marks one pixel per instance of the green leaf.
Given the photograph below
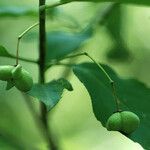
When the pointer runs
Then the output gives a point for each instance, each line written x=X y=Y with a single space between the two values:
x=50 y=93
x=141 y=2
x=4 y=52
x=133 y=96
x=60 y=44
x=99 y=89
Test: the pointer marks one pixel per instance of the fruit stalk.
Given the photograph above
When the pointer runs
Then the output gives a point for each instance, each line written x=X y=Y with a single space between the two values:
x=19 y=38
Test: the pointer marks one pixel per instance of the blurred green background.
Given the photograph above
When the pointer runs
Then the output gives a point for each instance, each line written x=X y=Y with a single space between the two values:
x=72 y=121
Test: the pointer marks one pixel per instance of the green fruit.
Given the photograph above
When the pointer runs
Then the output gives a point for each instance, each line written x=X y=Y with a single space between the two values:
x=5 y=72
x=130 y=122
x=114 y=122
x=22 y=79
x=125 y=122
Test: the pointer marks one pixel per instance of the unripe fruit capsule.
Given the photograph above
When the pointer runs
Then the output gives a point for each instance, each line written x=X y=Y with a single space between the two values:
x=130 y=122
x=125 y=122
x=5 y=72
x=22 y=79
x=114 y=122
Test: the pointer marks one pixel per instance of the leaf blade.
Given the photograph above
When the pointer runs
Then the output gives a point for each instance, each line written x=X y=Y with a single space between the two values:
x=50 y=93
x=130 y=93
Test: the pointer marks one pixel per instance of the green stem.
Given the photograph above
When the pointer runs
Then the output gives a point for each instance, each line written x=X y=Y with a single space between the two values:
x=27 y=30
x=36 y=117
x=19 y=38
x=23 y=59
x=59 y=64
x=100 y=67
x=17 y=51
x=42 y=53
x=115 y=97
x=90 y=57
x=43 y=7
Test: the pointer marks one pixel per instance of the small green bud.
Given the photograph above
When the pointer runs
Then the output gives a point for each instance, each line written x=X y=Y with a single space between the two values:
x=126 y=122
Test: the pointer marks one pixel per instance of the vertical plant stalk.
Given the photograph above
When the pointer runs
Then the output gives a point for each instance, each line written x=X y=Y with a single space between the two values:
x=42 y=41
x=42 y=51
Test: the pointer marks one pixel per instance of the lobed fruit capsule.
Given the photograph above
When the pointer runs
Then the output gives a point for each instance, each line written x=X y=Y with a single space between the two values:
x=5 y=72
x=22 y=79
x=126 y=122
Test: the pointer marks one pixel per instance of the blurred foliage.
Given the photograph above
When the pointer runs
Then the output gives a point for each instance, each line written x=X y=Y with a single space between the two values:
x=144 y=2
x=72 y=120
x=60 y=44
x=4 y=52
x=17 y=12
x=119 y=51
